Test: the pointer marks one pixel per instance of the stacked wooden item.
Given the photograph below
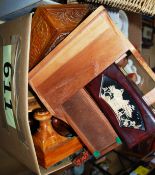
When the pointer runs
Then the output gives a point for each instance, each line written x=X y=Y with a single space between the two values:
x=76 y=72
x=50 y=25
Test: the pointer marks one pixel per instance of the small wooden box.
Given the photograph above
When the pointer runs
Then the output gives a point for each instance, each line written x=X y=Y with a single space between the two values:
x=50 y=25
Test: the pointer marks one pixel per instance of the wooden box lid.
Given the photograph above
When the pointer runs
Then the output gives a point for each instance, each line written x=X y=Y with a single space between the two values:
x=87 y=51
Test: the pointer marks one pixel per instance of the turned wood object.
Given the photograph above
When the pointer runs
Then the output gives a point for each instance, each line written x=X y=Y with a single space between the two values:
x=50 y=146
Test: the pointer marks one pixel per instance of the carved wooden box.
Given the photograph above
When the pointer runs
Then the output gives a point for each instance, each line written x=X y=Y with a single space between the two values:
x=50 y=25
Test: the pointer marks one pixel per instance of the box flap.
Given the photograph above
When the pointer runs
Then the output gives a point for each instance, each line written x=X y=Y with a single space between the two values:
x=14 y=126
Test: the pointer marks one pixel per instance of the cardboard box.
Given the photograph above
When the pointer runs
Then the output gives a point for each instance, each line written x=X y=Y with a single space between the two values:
x=14 y=126
x=15 y=132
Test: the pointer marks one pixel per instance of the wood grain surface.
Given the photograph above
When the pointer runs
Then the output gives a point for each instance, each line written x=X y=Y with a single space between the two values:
x=90 y=123
x=50 y=25
x=49 y=145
